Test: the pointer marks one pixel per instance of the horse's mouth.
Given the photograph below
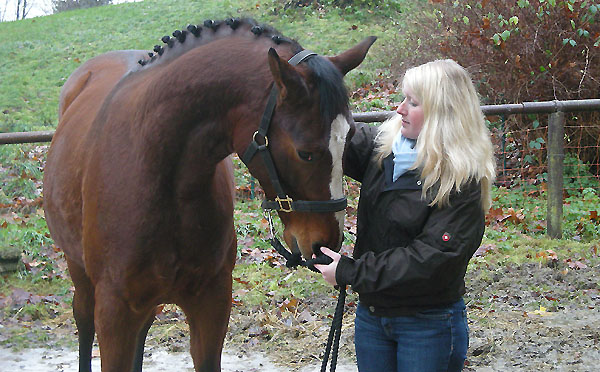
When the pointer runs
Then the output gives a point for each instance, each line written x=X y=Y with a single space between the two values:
x=316 y=248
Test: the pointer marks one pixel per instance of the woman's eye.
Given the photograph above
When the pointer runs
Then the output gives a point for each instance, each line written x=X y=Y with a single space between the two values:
x=306 y=156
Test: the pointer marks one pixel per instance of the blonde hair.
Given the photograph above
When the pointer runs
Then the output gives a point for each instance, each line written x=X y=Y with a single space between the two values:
x=454 y=145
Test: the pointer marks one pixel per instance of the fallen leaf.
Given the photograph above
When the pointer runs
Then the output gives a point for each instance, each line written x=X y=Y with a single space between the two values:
x=289 y=304
x=306 y=317
x=575 y=264
x=541 y=312
x=484 y=249
x=486 y=23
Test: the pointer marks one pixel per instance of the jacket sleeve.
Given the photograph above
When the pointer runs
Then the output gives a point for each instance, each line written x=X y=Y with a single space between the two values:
x=359 y=151
x=436 y=257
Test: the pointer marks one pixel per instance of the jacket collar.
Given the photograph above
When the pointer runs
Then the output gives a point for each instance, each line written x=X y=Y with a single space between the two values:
x=408 y=181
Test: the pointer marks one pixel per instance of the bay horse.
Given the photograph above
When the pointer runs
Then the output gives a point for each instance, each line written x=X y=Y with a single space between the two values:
x=138 y=184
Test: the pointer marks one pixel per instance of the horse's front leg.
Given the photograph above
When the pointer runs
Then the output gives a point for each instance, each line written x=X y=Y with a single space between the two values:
x=208 y=316
x=118 y=327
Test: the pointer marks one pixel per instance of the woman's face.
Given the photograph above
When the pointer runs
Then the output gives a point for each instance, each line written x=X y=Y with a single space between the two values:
x=412 y=115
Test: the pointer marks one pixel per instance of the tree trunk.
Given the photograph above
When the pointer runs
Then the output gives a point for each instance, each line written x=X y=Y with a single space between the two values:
x=18 y=9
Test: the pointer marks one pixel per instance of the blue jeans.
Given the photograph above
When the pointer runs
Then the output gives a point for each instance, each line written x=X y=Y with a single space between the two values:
x=430 y=341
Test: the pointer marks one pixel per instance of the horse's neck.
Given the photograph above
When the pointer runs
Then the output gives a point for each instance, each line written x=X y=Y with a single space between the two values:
x=212 y=111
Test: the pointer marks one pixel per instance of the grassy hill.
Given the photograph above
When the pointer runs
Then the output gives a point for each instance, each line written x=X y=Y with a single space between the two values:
x=37 y=55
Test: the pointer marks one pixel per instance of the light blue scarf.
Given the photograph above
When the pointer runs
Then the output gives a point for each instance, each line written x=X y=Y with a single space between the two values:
x=405 y=155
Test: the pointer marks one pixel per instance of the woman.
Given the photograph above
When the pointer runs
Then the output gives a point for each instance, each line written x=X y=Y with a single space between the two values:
x=426 y=176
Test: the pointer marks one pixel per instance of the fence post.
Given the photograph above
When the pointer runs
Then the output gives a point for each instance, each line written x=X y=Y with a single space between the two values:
x=503 y=120
x=556 y=130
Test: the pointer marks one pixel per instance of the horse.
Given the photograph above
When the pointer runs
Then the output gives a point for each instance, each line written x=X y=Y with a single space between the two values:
x=138 y=183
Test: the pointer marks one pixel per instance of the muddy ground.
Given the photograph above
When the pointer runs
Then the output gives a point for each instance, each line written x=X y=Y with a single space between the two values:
x=523 y=317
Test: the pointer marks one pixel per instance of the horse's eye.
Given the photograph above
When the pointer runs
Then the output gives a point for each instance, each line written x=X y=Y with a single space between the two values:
x=306 y=156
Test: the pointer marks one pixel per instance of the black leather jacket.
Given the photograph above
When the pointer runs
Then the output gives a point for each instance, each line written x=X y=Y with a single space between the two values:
x=408 y=256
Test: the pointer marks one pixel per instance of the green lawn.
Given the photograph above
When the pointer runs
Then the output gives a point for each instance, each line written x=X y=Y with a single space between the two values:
x=37 y=55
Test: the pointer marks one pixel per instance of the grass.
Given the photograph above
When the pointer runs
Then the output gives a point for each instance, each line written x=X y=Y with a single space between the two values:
x=523 y=211
x=259 y=284
x=37 y=55
x=541 y=251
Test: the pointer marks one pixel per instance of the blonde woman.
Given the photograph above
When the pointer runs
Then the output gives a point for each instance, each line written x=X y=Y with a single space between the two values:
x=426 y=176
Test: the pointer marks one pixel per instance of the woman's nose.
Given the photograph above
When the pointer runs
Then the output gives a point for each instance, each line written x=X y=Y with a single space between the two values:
x=401 y=108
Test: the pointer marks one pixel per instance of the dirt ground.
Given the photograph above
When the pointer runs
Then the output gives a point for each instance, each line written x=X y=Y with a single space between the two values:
x=526 y=317
x=534 y=317
x=158 y=359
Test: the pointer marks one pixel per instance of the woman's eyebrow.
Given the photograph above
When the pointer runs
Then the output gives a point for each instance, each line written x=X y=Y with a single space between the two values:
x=410 y=97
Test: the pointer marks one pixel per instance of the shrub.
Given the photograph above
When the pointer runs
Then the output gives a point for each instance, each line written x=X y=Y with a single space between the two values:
x=525 y=50
x=62 y=5
x=519 y=51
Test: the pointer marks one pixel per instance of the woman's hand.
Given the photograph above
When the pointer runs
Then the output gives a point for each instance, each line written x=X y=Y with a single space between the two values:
x=328 y=271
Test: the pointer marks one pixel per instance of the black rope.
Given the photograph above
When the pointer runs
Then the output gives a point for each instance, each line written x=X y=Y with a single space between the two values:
x=294 y=260
x=335 y=332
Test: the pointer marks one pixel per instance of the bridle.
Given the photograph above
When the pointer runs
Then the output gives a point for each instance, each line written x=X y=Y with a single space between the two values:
x=282 y=202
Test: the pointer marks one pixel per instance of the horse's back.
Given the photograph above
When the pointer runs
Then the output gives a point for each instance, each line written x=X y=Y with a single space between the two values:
x=97 y=75
x=81 y=98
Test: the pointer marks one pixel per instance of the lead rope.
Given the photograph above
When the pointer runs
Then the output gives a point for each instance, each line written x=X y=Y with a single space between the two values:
x=294 y=260
x=335 y=332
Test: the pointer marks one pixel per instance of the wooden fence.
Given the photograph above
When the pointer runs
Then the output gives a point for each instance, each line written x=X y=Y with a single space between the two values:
x=555 y=144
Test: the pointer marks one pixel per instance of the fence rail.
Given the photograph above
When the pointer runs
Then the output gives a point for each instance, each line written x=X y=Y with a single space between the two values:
x=555 y=145
x=26 y=137
x=371 y=117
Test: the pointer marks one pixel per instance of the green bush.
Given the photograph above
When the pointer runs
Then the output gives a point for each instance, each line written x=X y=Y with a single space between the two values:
x=63 y=5
x=577 y=175
x=523 y=210
x=519 y=51
x=580 y=213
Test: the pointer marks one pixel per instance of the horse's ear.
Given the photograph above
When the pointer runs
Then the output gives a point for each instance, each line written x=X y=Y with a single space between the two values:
x=351 y=58
x=290 y=83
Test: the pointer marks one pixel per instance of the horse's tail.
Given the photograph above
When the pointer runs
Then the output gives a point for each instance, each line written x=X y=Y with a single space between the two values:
x=72 y=88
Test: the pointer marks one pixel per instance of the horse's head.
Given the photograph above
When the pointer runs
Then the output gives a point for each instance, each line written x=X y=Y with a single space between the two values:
x=306 y=138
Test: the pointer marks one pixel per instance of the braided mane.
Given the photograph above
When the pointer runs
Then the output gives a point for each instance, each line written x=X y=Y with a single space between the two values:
x=329 y=81
x=195 y=35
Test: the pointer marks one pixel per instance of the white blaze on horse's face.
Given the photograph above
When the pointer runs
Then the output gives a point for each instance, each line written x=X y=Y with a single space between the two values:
x=337 y=142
